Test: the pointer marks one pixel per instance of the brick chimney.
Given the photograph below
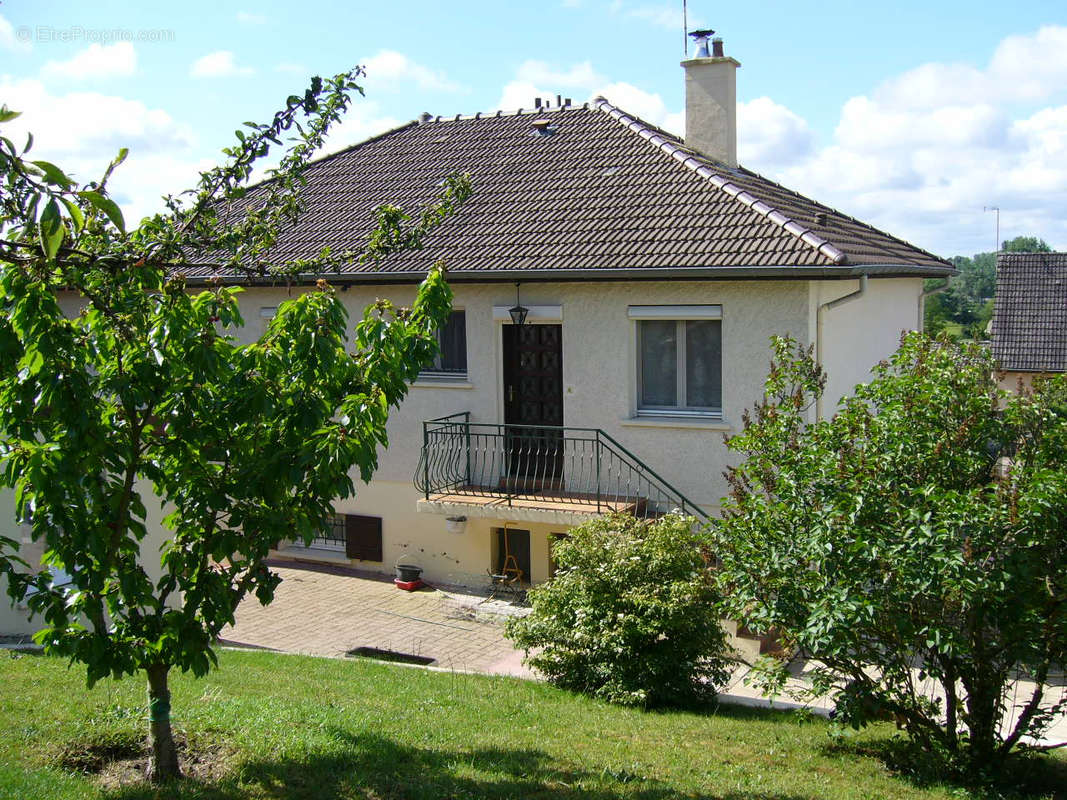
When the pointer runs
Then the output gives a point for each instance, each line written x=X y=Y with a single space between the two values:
x=711 y=100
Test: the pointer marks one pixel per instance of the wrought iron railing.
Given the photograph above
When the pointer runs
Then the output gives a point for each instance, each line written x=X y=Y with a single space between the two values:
x=529 y=464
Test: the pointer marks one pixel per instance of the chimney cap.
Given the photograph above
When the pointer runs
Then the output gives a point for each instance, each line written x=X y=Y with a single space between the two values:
x=702 y=34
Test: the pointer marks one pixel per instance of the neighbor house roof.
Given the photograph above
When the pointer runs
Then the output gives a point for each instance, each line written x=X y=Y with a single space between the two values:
x=1030 y=312
x=596 y=192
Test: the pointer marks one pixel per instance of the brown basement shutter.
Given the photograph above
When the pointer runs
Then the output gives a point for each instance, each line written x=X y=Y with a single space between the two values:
x=363 y=537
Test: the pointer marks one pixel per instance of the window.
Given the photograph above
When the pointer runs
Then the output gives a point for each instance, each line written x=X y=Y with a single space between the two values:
x=332 y=537
x=451 y=361
x=679 y=360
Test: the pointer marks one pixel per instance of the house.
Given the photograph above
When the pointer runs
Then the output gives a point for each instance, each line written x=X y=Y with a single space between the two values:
x=1030 y=317
x=652 y=271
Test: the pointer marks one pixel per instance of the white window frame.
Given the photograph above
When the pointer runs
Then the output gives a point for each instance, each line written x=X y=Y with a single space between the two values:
x=679 y=314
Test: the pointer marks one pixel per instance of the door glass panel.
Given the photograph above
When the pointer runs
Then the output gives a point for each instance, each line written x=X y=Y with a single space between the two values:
x=703 y=364
x=659 y=360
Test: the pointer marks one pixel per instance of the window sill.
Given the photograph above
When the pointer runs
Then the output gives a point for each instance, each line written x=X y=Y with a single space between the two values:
x=296 y=552
x=708 y=423
x=435 y=382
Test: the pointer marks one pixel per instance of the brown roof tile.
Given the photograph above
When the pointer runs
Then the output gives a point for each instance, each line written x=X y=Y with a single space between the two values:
x=604 y=191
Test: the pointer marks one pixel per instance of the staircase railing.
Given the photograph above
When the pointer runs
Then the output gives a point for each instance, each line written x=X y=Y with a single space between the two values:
x=558 y=467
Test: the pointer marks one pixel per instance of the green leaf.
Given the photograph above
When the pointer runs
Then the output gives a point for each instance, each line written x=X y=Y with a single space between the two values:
x=76 y=215
x=53 y=174
x=29 y=143
x=6 y=114
x=50 y=229
x=108 y=206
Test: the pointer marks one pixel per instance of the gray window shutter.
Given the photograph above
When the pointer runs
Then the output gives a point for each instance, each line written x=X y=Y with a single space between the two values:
x=363 y=537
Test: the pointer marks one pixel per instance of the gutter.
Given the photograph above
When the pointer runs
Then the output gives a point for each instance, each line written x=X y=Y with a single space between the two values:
x=737 y=272
x=840 y=301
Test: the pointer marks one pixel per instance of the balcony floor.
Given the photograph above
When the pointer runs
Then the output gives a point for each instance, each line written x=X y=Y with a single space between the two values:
x=488 y=499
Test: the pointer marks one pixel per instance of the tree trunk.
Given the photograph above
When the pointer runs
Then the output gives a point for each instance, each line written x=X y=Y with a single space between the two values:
x=163 y=764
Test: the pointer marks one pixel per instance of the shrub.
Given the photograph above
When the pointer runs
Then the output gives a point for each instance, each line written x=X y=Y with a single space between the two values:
x=913 y=544
x=630 y=615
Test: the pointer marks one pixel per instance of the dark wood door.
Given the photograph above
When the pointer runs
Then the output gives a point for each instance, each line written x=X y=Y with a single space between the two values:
x=533 y=396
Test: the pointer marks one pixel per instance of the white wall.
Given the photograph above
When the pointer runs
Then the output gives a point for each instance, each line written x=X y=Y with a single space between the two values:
x=14 y=620
x=599 y=356
x=860 y=333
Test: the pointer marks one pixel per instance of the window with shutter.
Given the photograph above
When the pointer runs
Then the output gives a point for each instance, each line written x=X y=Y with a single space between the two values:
x=363 y=537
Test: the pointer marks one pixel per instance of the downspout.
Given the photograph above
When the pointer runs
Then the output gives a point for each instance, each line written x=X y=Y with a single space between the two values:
x=921 y=326
x=848 y=298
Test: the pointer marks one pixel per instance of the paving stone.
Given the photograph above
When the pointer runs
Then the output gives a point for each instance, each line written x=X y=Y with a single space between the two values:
x=328 y=611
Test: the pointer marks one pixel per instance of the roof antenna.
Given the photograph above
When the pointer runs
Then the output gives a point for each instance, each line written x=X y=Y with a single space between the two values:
x=685 y=29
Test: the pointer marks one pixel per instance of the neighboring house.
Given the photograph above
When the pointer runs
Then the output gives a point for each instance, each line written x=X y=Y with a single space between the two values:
x=1030 y=316
x=654 y=273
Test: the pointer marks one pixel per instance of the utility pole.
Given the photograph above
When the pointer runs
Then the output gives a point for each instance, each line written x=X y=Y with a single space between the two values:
x=995 y=210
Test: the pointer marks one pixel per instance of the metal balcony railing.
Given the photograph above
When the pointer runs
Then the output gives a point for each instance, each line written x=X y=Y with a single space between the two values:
x=536 y=466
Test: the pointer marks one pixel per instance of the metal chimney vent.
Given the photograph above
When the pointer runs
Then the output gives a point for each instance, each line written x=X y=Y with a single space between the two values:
x=700 y=39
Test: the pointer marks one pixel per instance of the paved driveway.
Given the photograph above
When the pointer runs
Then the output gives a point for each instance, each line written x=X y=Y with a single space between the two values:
x=327 y=611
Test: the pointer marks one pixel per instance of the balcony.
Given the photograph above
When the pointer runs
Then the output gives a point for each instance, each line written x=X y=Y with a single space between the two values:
x=552 y=474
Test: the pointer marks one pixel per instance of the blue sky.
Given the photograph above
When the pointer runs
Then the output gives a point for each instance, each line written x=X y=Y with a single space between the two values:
x=912 y=116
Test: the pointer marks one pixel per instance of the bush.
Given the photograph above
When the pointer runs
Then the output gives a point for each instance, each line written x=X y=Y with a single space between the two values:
x=630 y=615
x=912 y=545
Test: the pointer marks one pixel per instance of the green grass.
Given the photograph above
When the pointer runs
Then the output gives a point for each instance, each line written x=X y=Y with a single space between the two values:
x=294 y=727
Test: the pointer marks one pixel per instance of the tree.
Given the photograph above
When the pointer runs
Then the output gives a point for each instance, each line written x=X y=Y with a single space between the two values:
x=630 y=615
x=244 y=445
x=1026 y=244
x=966 y=298
x=913 y=540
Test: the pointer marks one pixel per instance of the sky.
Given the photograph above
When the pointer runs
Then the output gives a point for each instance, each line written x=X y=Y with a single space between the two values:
x=913 y=116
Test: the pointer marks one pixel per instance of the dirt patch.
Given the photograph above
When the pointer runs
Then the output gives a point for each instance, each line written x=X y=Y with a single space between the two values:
x=206 y=764
x=120 y=758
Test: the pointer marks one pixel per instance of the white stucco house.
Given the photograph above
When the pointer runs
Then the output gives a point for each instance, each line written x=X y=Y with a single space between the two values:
x=653 y=271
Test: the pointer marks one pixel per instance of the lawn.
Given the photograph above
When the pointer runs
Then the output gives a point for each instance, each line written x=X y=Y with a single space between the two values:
x=274 y=726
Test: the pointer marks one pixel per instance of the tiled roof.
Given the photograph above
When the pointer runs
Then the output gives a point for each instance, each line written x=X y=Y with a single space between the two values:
x=601 y=191
x=1030 y=312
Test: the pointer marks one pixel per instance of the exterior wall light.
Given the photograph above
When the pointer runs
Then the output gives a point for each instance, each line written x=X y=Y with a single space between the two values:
x=518 y=313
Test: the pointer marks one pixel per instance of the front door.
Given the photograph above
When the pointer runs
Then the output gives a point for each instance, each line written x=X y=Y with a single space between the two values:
x=533 y=397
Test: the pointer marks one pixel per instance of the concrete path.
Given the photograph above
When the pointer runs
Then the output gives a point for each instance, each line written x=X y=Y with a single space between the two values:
x=327 y=611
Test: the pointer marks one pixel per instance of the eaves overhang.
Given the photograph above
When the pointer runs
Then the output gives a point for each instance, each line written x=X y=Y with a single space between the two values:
x=732 y=273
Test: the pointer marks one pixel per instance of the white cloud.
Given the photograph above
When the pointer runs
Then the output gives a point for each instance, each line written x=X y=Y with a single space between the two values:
x=770 y=133
x=363 y=120
x=10 y=39
x=291 y=68
x=245 y=18
x=924 y=152
x=162 y=155
x=669 y=17
x=95 y=61
x=582 y=83
x=220 y=64
x=391 y=67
